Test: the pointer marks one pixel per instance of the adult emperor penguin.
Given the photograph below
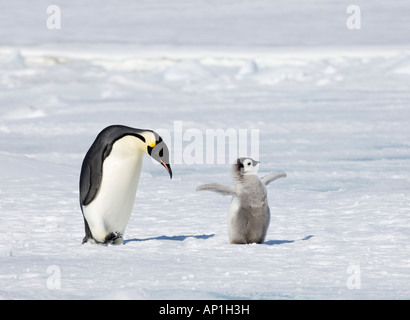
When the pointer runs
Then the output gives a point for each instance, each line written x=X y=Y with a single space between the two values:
x=249 y=213
x=109 y=179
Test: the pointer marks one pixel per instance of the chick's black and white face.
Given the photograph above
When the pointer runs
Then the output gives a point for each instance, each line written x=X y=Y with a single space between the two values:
x=247 y=165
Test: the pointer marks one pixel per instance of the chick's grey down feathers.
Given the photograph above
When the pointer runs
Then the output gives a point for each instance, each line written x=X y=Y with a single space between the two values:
x=249 y=213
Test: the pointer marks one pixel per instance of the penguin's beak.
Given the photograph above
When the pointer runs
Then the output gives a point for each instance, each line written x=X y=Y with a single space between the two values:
x=168 y=167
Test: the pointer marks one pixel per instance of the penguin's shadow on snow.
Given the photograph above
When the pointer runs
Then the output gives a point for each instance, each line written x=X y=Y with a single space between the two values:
x=173 y=238
x=275 y=242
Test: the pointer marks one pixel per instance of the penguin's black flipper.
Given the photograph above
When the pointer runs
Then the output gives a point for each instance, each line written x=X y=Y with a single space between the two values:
x=91 y=172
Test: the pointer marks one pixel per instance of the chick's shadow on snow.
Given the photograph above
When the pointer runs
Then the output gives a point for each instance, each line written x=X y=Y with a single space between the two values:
x=275 y=242
x=173 y=238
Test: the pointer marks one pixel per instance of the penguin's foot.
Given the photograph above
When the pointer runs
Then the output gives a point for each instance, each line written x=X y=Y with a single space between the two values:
x=113 y=238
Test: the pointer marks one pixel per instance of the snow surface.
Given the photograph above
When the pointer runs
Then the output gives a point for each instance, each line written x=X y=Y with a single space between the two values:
x=334 y=117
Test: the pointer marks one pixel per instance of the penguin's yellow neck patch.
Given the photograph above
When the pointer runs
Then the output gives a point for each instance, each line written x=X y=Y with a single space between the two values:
x=149 y=139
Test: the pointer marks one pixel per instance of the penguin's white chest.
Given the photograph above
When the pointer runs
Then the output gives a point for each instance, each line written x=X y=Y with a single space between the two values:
x=112 y=206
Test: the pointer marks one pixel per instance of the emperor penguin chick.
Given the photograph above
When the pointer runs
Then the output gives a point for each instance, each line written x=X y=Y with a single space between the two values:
x=249 y=213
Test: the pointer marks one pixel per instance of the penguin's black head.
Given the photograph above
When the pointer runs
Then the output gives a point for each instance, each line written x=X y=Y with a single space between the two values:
x=159 y=151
